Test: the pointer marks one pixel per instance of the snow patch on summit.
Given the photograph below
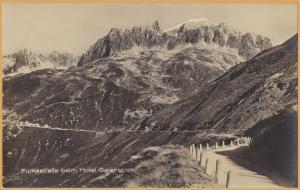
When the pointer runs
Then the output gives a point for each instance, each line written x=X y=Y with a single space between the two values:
x=190 y=24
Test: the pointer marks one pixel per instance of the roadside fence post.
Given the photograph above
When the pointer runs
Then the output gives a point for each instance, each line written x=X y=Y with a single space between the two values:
x=228 y=179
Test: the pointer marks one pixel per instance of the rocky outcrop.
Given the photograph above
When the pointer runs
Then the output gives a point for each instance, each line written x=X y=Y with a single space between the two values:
x=117 y=40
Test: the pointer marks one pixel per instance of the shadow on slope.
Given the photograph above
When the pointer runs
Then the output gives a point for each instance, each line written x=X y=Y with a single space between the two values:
x=273 y=152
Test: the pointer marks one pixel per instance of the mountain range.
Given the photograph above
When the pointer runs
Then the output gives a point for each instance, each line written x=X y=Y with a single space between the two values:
x=193 y=31
x=130 y=74
x=25 y=61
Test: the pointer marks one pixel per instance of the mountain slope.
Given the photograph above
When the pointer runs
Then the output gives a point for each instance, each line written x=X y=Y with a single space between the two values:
x=64 y=149
x=114 y=91
x=248 y=93
x=275 y=144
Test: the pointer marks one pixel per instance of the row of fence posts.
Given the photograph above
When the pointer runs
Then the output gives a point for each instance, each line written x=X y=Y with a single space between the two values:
x=197 y=154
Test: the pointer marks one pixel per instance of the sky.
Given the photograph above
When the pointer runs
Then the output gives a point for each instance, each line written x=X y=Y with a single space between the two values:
x=73 y=28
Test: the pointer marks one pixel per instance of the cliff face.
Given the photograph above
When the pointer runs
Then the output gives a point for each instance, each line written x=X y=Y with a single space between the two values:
x=247 y=45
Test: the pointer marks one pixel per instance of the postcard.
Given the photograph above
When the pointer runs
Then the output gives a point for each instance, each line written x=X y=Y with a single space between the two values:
x=182 y=95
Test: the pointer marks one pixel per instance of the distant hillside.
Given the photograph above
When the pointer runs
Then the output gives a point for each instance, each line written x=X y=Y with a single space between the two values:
x=25 y=61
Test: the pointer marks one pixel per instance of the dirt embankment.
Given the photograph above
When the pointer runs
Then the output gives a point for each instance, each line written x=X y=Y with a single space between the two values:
x=275 y=145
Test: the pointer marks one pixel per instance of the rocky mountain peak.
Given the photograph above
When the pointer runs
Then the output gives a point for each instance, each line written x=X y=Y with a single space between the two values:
x=115 y=31
x=198 y=32
x=155 y=26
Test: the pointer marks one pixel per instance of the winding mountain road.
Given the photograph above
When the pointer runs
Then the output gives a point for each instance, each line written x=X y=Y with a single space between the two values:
x=240 y=176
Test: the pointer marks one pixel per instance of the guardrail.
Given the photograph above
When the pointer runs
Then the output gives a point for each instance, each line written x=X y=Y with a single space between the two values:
x=197 y=153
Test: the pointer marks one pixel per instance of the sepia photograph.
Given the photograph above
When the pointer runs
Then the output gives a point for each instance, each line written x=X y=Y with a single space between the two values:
x=159 y=95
